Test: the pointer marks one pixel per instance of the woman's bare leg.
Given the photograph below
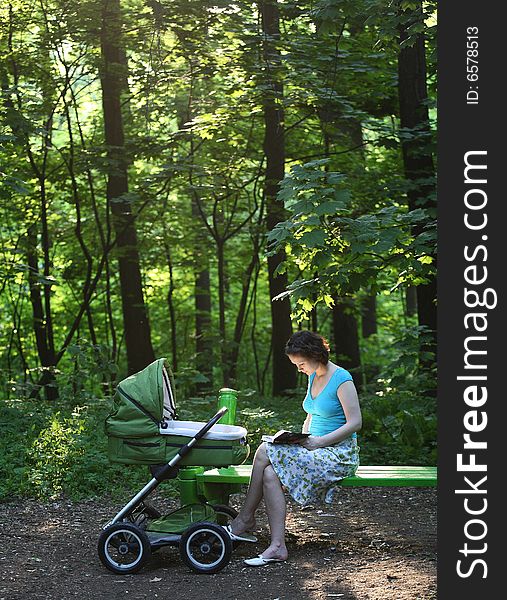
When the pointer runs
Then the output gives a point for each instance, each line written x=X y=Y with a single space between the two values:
x=246 y=518
x=276 y=508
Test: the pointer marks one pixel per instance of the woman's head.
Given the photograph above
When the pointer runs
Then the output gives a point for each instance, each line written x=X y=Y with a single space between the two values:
x=307 y=350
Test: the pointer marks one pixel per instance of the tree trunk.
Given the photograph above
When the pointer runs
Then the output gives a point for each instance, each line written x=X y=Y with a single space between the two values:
x=284 y=377
x=353 y=129
x=43 y=338
x=368 y=328
x=224 y=354
x=314 y=319
x=346 y=339
x=42 y=317
x=203 y=341
x=170 y=303
x=43 y=321
x=202 y=286
x=369 y=314
x=202 y=295
x=417 y=158
x=113 y=82
x=242 y=313
x=411 y=301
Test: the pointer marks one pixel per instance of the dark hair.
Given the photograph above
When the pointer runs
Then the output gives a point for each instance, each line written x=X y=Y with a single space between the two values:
x=310 y=345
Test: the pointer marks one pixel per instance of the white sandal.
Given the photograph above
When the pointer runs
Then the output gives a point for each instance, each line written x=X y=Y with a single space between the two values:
x=260 y=561
x=241 y=537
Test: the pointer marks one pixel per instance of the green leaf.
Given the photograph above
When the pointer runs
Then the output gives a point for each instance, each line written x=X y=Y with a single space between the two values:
x=313 y=239
x=329 y=207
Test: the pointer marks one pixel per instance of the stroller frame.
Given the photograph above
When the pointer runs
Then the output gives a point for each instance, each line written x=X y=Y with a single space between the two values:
x=127 y=541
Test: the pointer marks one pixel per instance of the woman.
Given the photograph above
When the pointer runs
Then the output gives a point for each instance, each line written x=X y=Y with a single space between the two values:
x=310 y=470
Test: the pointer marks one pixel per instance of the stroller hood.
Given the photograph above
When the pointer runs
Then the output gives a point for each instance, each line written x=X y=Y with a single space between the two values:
x=138 y=405
x=143 y=429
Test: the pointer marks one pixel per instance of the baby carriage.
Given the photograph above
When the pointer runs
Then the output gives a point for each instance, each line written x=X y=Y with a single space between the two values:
x=143 y=429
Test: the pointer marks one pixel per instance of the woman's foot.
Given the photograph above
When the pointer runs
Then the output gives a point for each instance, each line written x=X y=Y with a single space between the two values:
x=241 y=525
x=276 y=551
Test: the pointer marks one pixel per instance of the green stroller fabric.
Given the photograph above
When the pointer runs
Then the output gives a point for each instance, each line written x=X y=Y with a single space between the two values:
x=138 y=404
x=135 y=425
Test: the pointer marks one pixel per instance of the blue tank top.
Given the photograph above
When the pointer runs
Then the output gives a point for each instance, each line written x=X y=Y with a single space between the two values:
x=326 y=409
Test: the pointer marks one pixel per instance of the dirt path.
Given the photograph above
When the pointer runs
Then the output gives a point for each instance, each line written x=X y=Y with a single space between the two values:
x=373 y=544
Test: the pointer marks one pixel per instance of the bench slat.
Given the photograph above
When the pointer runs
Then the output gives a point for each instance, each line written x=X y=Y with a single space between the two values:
x=387 y=476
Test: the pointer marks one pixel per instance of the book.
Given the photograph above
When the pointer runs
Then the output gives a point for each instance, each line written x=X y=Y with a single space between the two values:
x=285 y=437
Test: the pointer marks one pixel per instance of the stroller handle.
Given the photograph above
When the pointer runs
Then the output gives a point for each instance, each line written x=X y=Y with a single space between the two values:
x=213 y=421
x=188 y=447
x=169 y=468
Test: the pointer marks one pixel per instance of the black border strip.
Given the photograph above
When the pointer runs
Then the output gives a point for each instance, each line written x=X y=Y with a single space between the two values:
x=470 y=127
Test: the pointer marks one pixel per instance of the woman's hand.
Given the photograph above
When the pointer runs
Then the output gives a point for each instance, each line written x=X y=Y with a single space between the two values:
x=312 y=442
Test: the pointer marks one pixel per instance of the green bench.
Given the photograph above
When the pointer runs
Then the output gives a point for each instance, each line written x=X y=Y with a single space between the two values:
x=216 y=485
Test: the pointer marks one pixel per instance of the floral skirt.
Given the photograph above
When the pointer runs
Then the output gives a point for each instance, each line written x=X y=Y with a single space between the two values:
x=311 y=476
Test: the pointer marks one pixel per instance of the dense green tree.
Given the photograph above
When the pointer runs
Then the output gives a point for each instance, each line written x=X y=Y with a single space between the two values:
x=416 y=141
x=114 y=84
x=146 y=156
x=274 y=149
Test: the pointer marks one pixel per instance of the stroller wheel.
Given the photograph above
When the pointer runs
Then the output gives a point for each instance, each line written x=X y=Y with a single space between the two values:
x=123 y=548
x=206 y=547
x=225 y=514
x=142 y=514
x=150 y=511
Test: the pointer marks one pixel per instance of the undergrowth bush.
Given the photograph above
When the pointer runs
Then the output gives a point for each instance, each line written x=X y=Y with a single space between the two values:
x=48 y=450
x=399 y=408
x=46 y=453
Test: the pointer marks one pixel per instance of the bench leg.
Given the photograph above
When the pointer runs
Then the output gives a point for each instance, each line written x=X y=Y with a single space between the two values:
x=217 y=493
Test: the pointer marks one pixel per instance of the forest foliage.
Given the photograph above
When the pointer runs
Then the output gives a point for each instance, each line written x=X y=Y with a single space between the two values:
x=196 y=179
